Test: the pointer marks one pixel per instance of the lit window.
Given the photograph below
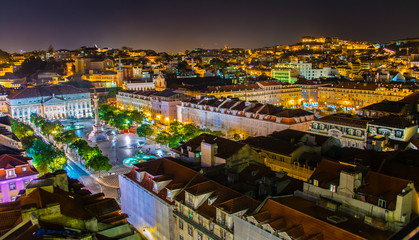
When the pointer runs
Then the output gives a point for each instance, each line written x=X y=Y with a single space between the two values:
x=315 y=182
x=24 y=169
x=190 y=230
x=12 y=186
x=332 y=188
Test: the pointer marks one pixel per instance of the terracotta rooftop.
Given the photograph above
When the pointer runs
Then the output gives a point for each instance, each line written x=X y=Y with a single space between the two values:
x=45 y=91
x=328 y=172
x=347 y=120
x=313 y=220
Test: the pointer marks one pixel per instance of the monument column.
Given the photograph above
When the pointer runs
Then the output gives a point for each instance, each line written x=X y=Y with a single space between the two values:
x=97 y=134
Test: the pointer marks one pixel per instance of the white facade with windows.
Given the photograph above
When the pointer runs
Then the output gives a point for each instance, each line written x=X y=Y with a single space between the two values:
x=53 y=102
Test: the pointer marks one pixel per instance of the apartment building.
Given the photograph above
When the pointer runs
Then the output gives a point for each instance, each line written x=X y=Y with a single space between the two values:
x=354 y=95
x=175 y=202
x=279 y=94
x=157 y=103
x=16 y=171
x=379 y=200
x=350 y=130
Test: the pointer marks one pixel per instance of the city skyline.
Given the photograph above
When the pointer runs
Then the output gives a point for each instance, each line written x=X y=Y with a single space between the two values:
x=187 y=26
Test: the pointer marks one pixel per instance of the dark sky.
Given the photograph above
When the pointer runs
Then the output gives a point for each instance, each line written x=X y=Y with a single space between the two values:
x=177 y=25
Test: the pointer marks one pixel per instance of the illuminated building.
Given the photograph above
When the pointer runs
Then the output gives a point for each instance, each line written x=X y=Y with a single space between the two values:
x=285 y=73
x=175 y=202
x=379 y=200
x=62 y=55
x=11 y=80
x=354 y=95
x=51 y=102
x=246 y=118
x=350 y=130
x=57 y=207
x=106 y=79
x=307 y=71
x=310 y=91
x=279 y=94
x=4 y=68
x=16 y=171
x=83 y=65
x=155 y=102
x=139 y=84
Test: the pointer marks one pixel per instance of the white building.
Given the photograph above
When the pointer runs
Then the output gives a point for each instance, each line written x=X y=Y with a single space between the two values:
x=51 y=102
x=307 y=71
x=140 y=84
x=157 y=103
x=247 y=118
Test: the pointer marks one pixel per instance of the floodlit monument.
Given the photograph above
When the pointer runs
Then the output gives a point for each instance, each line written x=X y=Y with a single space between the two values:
x=97 y=134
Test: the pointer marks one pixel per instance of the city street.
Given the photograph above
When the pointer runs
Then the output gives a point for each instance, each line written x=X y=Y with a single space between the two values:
x=118 y=148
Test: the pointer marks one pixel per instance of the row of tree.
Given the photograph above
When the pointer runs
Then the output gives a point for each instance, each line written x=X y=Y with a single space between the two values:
x=93 y=156
x=177 y=132
x=46 y=157
x=120 y=119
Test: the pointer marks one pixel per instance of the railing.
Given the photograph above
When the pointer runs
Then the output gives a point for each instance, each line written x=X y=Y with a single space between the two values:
x=197 y=225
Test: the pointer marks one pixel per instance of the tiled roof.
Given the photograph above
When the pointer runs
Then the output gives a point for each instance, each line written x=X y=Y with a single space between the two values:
x=313 y=220
x=328 y=172
x=393 y=121
x=45 y=91
x=272 y=145
x=346 y=120
x=380 y=186
x=226 y=147
x=387 y=106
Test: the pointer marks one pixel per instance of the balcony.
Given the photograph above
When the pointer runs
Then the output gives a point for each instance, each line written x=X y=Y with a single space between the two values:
x=197 y=225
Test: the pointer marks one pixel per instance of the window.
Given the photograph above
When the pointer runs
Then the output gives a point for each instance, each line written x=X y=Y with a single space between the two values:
x=190 y=230
x=211 y=227
x=223 y=234
x=200 y=220
x=332 y=188
x=180 y=237
x=382 y=203
x=10 y=173
x=12 y=186
x=200 y=236
x=222 y=218
x=190 y=199
x=24 y=169
x=25 y=182
x=180 y=224
x=316 y=182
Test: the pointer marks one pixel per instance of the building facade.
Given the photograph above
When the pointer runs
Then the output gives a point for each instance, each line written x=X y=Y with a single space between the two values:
x=156 y=103
x=245 y=118
x=354 y=95
x=51 y=102
x=16 y=172
x=279 y=94
x=350 y=130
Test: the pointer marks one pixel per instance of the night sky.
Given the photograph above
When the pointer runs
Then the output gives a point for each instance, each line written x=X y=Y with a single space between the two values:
x=179 y=25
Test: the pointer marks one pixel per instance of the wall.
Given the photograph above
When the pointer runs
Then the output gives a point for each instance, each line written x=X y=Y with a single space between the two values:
x=145 y=209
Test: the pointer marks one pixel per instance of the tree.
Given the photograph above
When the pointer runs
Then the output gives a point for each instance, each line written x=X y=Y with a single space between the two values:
x=66 y=137
x=218 y=63
x=144 y=130
x=98 y=163
x=50 y=49
x=136 y=116
x=162 y=138
x=20 y=129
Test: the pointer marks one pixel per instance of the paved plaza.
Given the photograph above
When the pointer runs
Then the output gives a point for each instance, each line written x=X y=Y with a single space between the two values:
x=119 y=147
